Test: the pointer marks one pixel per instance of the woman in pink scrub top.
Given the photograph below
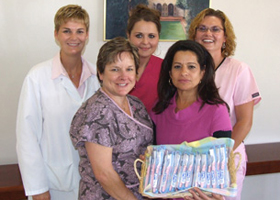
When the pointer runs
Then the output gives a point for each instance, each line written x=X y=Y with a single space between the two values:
x=235 y=81
x=189 y=106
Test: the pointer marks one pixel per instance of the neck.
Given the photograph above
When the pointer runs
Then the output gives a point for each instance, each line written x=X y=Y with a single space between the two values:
x=218 y=58
x=142 y=66
x=73 y=66
x=184 y=100
x=121 y=101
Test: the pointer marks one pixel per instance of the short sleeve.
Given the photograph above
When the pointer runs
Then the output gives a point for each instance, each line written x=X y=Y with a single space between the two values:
x=94 y=123
x=246 y=88
x=221 y=120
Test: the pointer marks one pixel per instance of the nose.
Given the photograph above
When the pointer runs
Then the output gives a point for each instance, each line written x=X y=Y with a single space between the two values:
x=208 y=31
x=184 y=71
x=123 y=74
x=73 y=36
x=145 y=40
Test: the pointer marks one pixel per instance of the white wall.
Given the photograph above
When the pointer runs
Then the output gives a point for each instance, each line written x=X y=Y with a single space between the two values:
x=26 y=38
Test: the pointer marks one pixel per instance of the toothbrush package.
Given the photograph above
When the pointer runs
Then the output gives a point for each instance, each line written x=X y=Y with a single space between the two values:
x=169 y=171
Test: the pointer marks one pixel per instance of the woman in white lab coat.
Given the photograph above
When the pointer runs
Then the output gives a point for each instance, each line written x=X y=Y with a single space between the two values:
x=51 y=94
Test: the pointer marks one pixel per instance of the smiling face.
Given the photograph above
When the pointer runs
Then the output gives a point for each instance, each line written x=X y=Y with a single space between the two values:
x=145 y=37
x=211 y=40
x=185 y=72
x=119 y=77
x=72 y=37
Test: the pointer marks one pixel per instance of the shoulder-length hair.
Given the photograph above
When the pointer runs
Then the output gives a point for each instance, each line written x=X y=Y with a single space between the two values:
x=230 y=43
x=207 y=89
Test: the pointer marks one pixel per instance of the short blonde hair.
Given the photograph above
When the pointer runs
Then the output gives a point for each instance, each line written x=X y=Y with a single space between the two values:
x=227 y=26
x=69 y=12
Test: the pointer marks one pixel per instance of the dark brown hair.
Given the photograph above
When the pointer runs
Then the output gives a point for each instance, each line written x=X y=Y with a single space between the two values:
x=142 y=12
x=207 y=89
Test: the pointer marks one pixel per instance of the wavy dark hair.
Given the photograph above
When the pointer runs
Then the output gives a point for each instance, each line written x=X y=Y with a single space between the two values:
x=207 y=89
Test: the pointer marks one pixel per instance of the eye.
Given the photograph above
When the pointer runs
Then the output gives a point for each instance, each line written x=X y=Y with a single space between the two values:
x=66 y=31
x=202 y=28
x=176 y=66
x=130 y=69
x=114 y=69
x=139 y=35
x=191 y=67
x=151 y=36
x=216 y=29
x=80 y=31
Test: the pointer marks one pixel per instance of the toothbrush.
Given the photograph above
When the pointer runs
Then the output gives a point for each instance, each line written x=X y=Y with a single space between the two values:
x=175 y=171
x=203 y=171
x=213 y=168
x=183 y=170
x=189 y=172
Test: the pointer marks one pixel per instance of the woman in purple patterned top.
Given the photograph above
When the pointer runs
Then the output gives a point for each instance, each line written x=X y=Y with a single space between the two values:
x=112 y=128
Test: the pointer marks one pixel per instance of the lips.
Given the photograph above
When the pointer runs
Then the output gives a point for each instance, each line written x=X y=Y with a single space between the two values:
x=184 y=80
x=144 y=48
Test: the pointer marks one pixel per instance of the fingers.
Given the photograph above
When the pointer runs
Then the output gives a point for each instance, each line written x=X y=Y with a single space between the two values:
x=142 y=157
x=197 y=194
x=218 y=197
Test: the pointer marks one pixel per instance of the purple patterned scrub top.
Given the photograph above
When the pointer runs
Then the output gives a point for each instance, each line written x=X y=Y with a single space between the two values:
x=100 y=120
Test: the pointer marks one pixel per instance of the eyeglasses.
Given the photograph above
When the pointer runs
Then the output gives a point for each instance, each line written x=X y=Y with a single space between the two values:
x=213 y=29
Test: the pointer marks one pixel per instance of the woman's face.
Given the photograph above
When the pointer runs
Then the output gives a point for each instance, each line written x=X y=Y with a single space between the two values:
x=72 y=37
x=145 y=37
x=214 y=37
x=119 y=77
x=185 y=72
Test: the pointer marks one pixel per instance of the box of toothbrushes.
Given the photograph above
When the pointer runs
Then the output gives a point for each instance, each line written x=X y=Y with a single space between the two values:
x=169 y=171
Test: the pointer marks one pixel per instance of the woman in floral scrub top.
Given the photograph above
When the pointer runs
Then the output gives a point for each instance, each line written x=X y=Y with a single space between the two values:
x=112 y=129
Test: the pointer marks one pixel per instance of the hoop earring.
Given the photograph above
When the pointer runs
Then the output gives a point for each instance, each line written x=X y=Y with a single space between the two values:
x=169 y=81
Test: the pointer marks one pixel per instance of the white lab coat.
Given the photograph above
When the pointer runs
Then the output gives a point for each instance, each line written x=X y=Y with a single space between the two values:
x=46 y=156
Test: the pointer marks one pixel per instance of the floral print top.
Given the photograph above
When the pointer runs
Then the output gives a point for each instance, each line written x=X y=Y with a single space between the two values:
x=100 y=120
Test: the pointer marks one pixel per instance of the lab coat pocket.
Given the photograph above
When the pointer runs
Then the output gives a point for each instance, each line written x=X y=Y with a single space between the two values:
x=62 y=177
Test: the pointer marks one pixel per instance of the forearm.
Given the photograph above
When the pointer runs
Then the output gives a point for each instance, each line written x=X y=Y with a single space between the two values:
x=239 y=132
x=43 y=196
x=113 y=185
x=101 y=162
x=244 y=121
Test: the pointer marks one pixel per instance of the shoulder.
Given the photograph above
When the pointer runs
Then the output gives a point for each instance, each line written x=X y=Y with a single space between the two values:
x=92 y=108
x=235 y=64
x=40 y=72
x=216 y=108
x=97 y=100
x=156 y=60
x=41 y=67
x=135 y=100
x=90 y=65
